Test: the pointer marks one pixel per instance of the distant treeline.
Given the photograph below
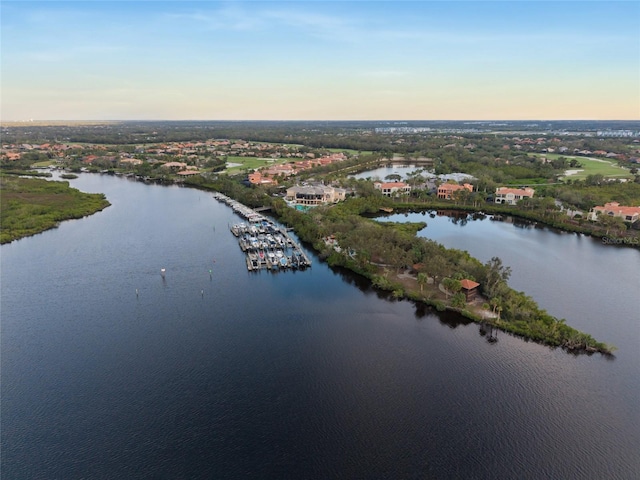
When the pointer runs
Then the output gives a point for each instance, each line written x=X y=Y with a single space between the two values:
x=321 y=133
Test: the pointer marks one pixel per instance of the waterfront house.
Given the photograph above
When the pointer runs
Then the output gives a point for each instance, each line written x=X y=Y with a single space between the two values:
x=511 y=196
x=446 y=191
x=313 y=195
x=131 y=161
x=174 y=166
x=257 y=178
x=389 y=189
x=614 y=209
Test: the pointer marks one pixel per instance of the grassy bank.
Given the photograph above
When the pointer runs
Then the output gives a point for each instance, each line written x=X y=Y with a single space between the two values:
x=31 y=205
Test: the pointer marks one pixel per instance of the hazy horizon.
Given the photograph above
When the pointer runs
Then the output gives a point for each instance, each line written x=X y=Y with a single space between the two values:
x=320 y=120
x=320 y=61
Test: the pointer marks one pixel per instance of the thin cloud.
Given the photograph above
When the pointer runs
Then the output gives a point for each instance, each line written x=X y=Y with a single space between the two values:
x=309 y=22
x=228 y=18
x=316 y=23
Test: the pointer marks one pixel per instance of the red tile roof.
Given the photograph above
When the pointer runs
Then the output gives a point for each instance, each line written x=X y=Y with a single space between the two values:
x=388 y=185
x=468 y=284
x=615 y=207
x=528 y=192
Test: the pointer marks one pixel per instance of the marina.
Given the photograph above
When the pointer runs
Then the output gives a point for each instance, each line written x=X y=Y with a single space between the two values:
x=266 y=245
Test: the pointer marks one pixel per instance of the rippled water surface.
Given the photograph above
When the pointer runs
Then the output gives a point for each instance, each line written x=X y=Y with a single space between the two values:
x=296 y=375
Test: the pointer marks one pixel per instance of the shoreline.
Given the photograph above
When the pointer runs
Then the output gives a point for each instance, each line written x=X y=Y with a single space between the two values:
x=632 y=241
x=441 y=306
x=438 y=304
x=40 y=207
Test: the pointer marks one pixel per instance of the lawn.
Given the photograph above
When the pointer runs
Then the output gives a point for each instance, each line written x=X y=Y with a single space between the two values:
x=240 y=164
x=593 y=166
x=44 y=164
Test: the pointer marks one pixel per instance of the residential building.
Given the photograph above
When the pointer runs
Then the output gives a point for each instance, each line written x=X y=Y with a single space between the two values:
x=131 y=161
x=389 y=189
x=312 y=195
x=447 y=190
x=174 y=166
x=512 y=196
x=257 y=178
x=614 y=209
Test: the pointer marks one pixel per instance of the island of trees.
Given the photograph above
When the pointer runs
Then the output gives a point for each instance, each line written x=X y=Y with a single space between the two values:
x=255 y=163
x=33 y=205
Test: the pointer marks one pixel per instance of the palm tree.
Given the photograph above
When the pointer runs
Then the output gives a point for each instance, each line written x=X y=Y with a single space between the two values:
x=422 y=279
x=495 y=303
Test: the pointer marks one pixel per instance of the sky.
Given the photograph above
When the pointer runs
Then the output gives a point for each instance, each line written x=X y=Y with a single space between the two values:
x=319 y=60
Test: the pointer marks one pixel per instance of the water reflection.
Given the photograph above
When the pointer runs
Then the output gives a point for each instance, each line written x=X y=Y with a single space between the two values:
x=421 y=310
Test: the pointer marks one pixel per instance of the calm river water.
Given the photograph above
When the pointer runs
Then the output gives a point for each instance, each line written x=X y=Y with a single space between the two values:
x=298 y=375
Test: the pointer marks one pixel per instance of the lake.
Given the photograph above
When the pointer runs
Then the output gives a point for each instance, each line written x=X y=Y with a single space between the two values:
x=302 y=374
x=405 y=170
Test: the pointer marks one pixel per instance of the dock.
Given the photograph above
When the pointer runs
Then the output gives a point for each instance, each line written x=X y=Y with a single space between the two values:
x=267 y=246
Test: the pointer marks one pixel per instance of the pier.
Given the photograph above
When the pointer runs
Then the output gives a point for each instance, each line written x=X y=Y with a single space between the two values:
x=267 y=245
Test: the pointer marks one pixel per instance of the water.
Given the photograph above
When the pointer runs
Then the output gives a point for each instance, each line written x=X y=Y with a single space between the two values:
x=401 y=169
x=572 y=276
x=405 y=170
x=297 y=375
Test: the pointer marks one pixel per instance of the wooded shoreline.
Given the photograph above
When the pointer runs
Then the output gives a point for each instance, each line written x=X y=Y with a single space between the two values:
x=345 y=221
x=398 y=247
x=32 y=205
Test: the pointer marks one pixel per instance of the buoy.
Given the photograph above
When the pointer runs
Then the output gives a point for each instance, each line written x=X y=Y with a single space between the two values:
x=136 y=292
x=202 y=292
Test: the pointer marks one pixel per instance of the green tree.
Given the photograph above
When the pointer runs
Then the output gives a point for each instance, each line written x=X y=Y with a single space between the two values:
x=422 y=280
x=451 y=285
x=437 y=266
x=611 y=223
x=494 y=303
x=459 y=300
x=497 y=276
x=596 y=179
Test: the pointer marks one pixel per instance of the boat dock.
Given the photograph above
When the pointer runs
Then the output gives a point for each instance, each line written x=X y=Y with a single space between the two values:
x=266 y=245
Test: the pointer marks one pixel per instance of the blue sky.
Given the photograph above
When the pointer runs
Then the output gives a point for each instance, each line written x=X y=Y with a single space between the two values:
x=330 y=60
